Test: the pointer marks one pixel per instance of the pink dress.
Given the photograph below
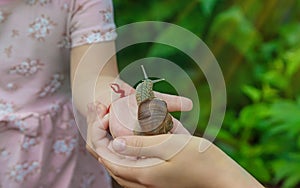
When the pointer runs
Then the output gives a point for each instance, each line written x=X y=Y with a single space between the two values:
x=39 y=142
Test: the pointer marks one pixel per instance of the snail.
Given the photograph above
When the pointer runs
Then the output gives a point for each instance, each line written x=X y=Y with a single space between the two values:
x=153 y=115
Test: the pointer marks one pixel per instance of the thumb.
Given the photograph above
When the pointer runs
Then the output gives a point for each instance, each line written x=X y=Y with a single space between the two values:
x=163 y=146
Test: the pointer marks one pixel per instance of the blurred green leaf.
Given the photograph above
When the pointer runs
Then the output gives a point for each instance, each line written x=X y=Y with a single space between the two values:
x=287 y=171
x=293 y=62
x=234 y=28
x=290 y=33
x=207 y=6
x=269 y=93
x=285 y=117
x=250 y=115
x=253 y=93
x=292 y=180
x=258 y=169
x=170 y=36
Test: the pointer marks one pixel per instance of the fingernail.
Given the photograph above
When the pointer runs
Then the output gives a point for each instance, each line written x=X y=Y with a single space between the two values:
x=119 y=144
x=105 y=117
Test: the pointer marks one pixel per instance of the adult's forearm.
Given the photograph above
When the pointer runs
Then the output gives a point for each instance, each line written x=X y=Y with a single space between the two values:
x=220 y=170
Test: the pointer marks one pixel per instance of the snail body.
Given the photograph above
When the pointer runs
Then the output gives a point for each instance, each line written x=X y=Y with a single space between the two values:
x=144 y=91
x=153 y=115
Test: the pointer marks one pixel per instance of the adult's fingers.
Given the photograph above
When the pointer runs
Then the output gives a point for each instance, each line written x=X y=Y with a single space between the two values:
x=163 y=147
x=128 y=184
x=127 y=168
x=124 y=182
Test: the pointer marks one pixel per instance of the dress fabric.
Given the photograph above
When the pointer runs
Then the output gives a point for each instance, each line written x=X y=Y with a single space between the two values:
x=40 y=145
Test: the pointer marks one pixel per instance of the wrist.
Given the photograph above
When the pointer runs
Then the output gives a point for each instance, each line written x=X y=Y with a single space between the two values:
x=228 y=173
x=213 y=168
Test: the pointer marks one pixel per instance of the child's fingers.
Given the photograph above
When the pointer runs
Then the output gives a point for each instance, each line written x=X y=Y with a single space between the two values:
x=95 y=110
x=99 y=133
x=176 y=103
x=97 y=126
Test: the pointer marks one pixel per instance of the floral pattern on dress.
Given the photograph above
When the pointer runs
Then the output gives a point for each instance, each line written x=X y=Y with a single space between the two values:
x=110 y=35
x=107 y=15
x=21 y=171
x=65 y=146
x=65 y=42
x=82 y=148
x=3 y=16
x=67 y=124
x=97 y=36
x=41 y=27
x=6 y=109
x=27 y=67
x=29 y=142
x=54 y=109
x=8 y=51
x=34 y=2
x=11 y=86
x=20 y=124
x=55 y=83
x=15 y=33
x=4 y=153
x=66 y=7
x=87 y=180
x=36 y=130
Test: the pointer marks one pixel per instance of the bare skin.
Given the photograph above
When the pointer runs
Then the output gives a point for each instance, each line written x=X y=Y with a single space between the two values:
x=94 y=76
x=87 y=63
x=171 y=160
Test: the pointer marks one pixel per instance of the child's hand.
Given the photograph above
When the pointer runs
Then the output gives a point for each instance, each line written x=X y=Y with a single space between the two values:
x=121 y=120
x=123 y=114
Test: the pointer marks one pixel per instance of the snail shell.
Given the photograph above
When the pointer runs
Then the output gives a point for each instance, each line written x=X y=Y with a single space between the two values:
x=153 y=117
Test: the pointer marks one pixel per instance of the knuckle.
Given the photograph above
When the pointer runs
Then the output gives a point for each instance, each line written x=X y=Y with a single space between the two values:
x=138 y=146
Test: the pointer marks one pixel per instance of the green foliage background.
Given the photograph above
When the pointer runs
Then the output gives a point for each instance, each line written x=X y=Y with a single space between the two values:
x=257 y=44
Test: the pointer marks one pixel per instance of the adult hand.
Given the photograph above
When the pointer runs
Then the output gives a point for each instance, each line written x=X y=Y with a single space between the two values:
x=174 y=161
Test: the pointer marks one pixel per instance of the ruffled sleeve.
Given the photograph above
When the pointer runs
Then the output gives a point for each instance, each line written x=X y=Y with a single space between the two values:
x=91 y=21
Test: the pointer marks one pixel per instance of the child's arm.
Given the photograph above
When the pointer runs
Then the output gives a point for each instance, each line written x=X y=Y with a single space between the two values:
x=92 y=72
